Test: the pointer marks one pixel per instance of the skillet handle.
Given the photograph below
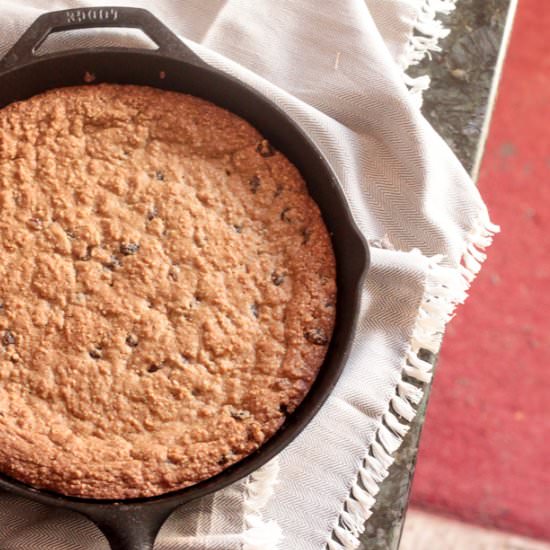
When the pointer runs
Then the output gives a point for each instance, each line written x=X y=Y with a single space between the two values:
x=168 y=43
x=130 y=527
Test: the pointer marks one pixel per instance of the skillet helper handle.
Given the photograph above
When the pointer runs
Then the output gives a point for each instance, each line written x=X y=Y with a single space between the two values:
x=168 y=43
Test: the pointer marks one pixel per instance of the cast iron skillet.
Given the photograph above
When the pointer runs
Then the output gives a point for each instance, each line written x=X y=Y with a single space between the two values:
x=133 y=524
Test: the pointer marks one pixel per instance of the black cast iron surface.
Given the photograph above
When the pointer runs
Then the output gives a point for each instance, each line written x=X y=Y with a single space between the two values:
x=133 y=524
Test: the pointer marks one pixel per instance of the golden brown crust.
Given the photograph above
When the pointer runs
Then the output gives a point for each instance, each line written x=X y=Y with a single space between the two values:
x=167 y=290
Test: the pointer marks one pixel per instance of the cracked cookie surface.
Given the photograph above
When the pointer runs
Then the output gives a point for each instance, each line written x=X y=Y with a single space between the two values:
x=167 y=290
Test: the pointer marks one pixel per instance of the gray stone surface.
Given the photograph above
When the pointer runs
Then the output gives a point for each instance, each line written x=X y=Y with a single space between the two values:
x=462 y=74
x=458 y=104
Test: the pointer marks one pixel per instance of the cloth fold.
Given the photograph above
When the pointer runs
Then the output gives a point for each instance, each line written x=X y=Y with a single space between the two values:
x=338 y=69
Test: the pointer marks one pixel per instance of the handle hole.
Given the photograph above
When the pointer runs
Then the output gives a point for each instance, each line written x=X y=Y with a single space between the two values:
x=95 y=38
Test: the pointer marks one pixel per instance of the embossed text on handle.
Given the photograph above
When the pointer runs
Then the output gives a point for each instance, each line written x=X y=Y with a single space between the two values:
x=92 y=14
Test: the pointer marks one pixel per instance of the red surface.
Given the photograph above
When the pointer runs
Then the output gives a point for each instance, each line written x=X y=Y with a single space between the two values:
x=485 y=451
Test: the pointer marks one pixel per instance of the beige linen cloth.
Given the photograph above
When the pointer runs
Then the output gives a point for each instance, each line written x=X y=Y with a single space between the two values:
x=337 y=67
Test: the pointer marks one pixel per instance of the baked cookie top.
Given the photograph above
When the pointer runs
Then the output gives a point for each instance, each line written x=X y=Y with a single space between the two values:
x=167 y=290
